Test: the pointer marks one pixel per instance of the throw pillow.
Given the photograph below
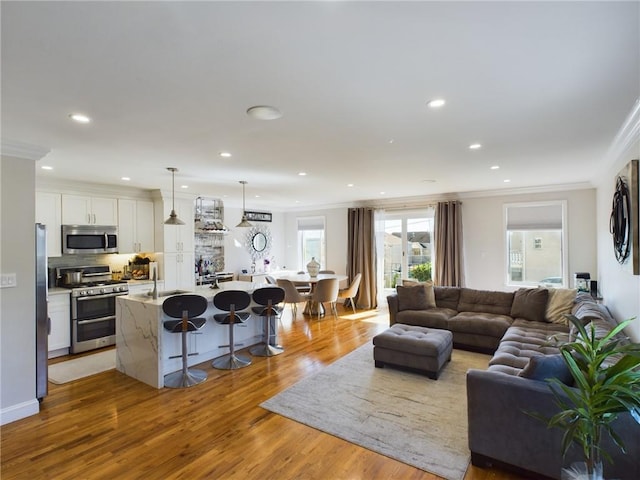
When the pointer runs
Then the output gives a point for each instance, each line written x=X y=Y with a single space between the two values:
x=530 y=304
x=412 y=298
x=428 y=287
x=560 y=304
x=544 y=367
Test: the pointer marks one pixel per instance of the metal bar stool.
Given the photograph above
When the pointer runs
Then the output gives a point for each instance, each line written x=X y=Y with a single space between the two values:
x=186 y=308
x=268 y=298
x=231 y=301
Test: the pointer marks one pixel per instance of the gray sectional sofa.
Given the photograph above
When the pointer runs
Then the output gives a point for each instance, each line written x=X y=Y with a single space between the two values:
x=514 y=327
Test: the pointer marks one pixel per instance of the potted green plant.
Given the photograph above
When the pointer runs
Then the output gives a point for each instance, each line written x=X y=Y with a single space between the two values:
x=606 y=375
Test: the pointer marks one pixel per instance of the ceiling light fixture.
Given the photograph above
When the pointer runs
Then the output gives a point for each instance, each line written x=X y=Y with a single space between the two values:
x=184 y=186
x=302 y=174
x=79 y=118
x=225 y=154
x=349 y=184
x=173 y=218
x=126 y=179
x=244 y=223
x=475 y=146
x=506 y=180
x=264 y=112
x=495 y=167
x=46 y=167
x=436 y=103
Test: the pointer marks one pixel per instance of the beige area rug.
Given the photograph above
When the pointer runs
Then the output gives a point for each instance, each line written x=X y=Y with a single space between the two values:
x=402 y=415
x=70 y=370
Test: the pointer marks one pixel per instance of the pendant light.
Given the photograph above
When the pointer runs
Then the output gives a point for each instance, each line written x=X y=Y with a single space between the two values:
x=173 y=218
x=244 y=222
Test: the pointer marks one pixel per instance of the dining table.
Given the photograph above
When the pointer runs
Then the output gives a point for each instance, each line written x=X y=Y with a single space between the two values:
x=311 y=308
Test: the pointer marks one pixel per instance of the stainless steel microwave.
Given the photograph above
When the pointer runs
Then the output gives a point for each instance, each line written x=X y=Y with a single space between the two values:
x=89 y=239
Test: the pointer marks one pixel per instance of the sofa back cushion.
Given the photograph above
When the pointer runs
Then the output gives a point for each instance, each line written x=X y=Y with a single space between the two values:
x=412 y=298
x=560 y=304
x=485 y=301
x=447 y=297
x=428 y=288
x=530 y=304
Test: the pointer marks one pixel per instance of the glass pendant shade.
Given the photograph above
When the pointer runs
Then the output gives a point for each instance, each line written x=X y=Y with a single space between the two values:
x=173 y=217
x=244 y=223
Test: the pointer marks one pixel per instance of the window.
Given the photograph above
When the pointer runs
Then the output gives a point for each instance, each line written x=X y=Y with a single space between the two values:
x=311 y=241
x=408 y=240
x=536 y=244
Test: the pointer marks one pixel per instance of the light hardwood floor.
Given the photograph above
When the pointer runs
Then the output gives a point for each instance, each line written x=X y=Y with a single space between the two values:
x=110 y=426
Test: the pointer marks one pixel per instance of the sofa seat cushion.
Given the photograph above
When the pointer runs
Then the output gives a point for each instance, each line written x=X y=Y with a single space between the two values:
x=432 y=318
x=484 y=301
x=489 y=324
x=524 y=340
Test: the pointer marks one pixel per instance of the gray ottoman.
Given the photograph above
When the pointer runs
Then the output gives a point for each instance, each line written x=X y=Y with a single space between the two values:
x=420 y=349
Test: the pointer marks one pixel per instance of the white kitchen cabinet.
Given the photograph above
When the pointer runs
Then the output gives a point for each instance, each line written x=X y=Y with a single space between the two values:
x=59 y=307
x=179 y=271
x=49 y=213
x=135 y=226
x=86 y=210
x=179 y=238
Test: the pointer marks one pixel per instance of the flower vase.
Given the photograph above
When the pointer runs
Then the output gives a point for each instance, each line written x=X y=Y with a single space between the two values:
x=579 y=471
x=313 y=267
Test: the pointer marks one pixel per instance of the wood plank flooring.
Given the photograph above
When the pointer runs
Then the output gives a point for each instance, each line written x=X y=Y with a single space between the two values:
x=110 y=426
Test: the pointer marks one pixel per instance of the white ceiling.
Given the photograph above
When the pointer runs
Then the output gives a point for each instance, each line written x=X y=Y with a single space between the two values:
x=543 y=86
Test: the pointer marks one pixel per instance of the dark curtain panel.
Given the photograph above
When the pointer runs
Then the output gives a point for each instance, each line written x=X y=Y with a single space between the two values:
x=361 y=255
x=449 y=268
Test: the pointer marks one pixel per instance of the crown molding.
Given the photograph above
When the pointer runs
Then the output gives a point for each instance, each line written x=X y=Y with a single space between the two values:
x=628 y=135
x=12 y=148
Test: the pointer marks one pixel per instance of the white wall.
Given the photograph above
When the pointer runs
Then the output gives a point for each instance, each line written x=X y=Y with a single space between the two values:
x=17 y=305
x=484 y=238
x=619 y=288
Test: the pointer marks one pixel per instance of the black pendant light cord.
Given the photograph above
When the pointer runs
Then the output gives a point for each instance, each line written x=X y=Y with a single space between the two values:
x=620 y=221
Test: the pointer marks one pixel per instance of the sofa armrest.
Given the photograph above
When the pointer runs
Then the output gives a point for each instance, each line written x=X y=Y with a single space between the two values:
x=501 y=429
x=392 y=301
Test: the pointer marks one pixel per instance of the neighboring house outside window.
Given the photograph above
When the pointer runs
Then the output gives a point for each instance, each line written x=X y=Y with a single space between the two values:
x=536 y=244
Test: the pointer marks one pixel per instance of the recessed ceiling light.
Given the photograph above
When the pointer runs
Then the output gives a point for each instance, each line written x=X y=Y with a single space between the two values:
x=46 y=167
x=79 y=118
x=264 y=112
x=184 y=186
x=383 y=193
x=506 y=180
x=495 y=167
x=475 y=146
x=428 y=180
x=126 y=179
x=436 y=103
x=302 y=174
x=225 y=154
x=392 y=140
x=257 y=196
x=349 y=184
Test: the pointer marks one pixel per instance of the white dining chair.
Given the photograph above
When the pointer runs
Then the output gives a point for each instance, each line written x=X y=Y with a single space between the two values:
x=351 y=291
x=326 y=290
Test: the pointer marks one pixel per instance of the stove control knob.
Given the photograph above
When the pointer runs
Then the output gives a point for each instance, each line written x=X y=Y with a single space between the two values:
x=88 y=292
x=103 y=290
x=83 y=292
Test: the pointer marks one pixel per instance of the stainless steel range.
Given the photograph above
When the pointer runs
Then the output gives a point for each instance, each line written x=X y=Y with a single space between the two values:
x=93 y=305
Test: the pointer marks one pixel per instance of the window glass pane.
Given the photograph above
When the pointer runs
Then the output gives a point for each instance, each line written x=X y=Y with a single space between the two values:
x=392 y=252
x=535 y=235
x=311 y=242
x=419 y=233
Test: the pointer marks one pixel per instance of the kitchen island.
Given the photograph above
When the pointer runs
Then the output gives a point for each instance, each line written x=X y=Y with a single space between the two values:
x=144 y=349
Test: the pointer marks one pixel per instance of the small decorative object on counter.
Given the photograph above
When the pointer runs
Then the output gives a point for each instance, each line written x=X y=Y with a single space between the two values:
x=313 y=267
x=139 y=267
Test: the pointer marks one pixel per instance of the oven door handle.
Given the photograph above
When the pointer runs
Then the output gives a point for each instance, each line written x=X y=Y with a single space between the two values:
x=97 y=320
x=106 y=295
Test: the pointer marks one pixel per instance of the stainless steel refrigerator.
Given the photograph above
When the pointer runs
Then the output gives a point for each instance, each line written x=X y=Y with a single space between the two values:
x=42 y=314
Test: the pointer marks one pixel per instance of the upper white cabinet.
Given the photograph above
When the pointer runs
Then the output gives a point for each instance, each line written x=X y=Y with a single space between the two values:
x=49 y=213
x=86 y=210
x=135 y=226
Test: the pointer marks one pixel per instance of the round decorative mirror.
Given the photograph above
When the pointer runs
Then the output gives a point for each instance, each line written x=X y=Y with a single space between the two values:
x=259 y=242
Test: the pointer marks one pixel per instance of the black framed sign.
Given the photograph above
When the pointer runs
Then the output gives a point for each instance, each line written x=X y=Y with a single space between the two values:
x=258 y=216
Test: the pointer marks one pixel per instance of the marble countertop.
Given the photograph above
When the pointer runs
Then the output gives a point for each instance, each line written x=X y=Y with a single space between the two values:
x=204 y=290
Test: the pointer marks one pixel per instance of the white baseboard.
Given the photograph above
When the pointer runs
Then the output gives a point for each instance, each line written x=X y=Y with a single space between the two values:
x=19 y=411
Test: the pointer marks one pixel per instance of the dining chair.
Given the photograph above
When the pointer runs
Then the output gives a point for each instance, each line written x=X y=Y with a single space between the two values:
x=326 y=291
x=302 y=287
x=291 y=294
x=351 y=291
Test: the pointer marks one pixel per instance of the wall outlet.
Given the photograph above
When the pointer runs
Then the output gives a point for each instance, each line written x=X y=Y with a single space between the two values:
x=8 y=280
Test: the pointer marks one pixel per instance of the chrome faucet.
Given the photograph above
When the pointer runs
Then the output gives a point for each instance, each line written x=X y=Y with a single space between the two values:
x=154 y=293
